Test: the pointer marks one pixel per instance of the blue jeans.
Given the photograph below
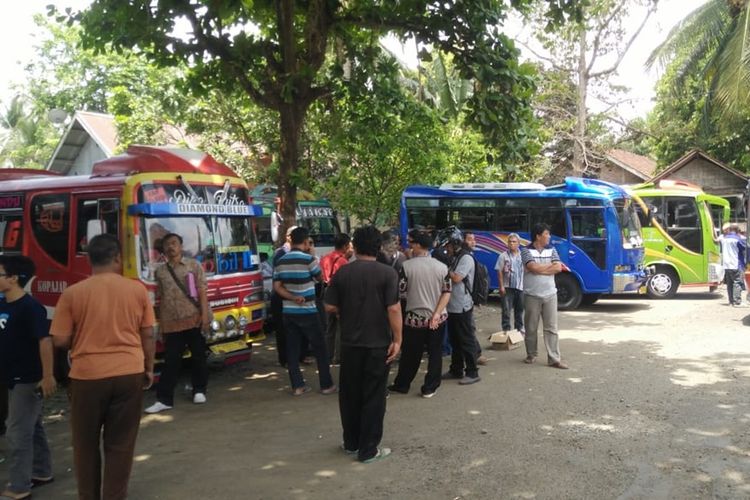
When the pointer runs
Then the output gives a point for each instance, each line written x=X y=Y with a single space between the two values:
x=27 y=442
x=512 y=301
x=301 y=329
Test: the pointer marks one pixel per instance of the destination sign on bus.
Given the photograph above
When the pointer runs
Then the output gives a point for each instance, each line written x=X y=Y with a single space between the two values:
x=11 y=202
x=310 y=212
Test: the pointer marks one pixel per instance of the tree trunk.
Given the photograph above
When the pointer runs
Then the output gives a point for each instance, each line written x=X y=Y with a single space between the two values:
x=579 y=152
x=292 y=117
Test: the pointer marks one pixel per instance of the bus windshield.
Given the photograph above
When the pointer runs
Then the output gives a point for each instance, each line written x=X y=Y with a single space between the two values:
x=223 y=245
x=629 y=223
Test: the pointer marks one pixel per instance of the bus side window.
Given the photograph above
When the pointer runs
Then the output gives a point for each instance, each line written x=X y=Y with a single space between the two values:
x=50 y=214
x=105 y=210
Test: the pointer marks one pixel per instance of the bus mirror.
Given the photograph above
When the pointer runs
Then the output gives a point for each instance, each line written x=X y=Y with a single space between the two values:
x=274 y=226
x=94 y=228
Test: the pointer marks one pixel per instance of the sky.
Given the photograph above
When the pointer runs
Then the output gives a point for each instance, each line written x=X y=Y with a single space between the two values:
x=17 y=35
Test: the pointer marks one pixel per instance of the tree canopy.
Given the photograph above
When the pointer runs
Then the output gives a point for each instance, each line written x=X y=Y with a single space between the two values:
x=286 y=55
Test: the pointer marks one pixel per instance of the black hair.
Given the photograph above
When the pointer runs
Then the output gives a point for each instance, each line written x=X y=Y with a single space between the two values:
x=169 y=236
x=103 y=249
x=421 y=238
x=538 y=229
x=341 y=240
x=367 y=240
x=299 y=235
x=19 y=266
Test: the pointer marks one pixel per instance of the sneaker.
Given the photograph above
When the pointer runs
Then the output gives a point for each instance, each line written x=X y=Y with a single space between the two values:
x=469 y=380
x=331 y=390
x=482 y=360
x=428 y=395
x=199 y=398
x=449 y=376
x=380 y=455
x=522 y=331
x=157 y=408
x=395 y=388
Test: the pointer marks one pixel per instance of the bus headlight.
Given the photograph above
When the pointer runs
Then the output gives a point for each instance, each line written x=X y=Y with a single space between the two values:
x=243 y=322
x=253 y=297
x=230 y=323
x=215 y=326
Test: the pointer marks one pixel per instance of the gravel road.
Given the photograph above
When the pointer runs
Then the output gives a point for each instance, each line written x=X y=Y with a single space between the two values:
x=654 y=406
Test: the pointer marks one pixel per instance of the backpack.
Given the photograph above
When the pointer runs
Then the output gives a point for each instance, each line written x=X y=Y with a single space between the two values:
x=481 y=286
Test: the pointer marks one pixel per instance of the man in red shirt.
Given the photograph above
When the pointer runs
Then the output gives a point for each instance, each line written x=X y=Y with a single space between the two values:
x=329 y=264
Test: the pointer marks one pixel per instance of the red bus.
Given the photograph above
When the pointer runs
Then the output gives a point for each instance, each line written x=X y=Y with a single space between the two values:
x=140 y=196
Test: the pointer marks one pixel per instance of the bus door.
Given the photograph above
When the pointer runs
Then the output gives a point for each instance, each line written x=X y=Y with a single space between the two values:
x=588 y=250
x=94 y=214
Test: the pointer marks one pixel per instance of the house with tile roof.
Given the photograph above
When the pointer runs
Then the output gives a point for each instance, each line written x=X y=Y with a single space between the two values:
x=624 y=167
x=698 y=167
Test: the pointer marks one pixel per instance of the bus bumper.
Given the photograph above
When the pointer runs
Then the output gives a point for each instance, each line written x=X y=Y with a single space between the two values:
x=628 y=282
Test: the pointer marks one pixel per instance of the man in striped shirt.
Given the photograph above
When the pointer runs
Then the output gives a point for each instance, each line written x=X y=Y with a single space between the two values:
x=294 y=280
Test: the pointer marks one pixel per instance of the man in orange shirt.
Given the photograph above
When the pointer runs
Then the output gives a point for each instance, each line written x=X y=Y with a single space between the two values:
x=107 y=322
x=329 y=264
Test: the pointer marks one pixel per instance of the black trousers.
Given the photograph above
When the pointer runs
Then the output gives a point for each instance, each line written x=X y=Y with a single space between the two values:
x=174 y=346
x=464 y=344
x=416 y=340
x=363 y=378
x=732 y=279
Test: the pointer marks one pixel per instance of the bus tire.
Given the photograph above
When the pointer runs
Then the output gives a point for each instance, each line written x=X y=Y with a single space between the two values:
x=569 y=294
x=713 y=288
x=590 y=298
x=663 y=284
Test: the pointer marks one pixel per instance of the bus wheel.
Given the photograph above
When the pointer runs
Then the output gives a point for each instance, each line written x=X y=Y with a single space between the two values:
x=590 y=298
x=569 y=294
x=712 y=289
x=663 y=284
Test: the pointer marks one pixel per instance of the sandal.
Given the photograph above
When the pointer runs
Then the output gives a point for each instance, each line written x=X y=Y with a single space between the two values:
x=9 y=495
x=38 y=482
x=299 y=391
x=529 y=359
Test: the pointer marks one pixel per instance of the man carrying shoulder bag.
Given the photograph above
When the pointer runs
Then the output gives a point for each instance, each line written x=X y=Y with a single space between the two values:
x=184 y=316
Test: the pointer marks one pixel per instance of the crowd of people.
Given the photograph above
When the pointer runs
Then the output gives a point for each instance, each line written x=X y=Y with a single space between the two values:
x=361 y=307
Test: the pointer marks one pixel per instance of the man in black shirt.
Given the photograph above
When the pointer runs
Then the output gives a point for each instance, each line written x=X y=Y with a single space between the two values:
x=364 y=294
x=26 y=355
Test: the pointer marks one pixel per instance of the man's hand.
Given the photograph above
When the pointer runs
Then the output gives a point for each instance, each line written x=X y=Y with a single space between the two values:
x=502 y=291
x=435 y=321
x=299 y=300
x=393 y=351
x=48 y=386
x=148 y=380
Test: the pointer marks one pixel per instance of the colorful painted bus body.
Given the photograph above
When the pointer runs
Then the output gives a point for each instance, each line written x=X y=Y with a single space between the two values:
x=139 y=197
x=680 y=226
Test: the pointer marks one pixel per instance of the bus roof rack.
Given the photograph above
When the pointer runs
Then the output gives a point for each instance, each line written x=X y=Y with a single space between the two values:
x=495 y=186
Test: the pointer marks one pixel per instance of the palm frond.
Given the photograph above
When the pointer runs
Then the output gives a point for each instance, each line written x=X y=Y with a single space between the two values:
x=696 y=33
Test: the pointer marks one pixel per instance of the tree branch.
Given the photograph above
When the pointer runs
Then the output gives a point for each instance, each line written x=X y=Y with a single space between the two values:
x=621 y=55
x=600 y=30
x=544 y=58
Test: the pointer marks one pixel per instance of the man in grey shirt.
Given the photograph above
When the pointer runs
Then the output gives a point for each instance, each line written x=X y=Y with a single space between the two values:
x=426 y=286
x=541 y=264
x=460 y=314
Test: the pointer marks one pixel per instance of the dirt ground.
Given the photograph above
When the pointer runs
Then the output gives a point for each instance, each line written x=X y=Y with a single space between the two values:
x=655 y=405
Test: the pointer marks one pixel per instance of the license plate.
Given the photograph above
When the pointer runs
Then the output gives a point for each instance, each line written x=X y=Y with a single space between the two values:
x=226 y=347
